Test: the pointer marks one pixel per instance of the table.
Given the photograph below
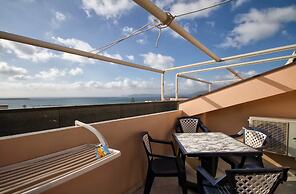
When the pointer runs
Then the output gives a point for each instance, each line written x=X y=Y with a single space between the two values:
x=209 y=146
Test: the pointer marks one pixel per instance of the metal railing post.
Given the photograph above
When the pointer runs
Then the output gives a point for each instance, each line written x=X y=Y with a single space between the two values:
x=162 y=86
x=210 y=87
x=176 y=87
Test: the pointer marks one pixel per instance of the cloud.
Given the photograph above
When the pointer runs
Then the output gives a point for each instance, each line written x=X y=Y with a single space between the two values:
x=130 y=57
x=163 y=3
x=57 y=19
x=28 y=1
x=27 y=52
x=20 y=78
x=177 y=7
x=11 y=70
x=127 y=83
x=141 y=41
x=76 y=71
x=211 y=24
x=249 y=73
x=76 y=44
x=60 y=16
x=80 y=45
x=229 y=76
x=189 y=87
x=51 y=74
x=115 y=56
x=158 y=61
x=110 y=9
x=127 y=30
x=126 y=86
x=258 y=25
x=188 y=6
x=238 y=3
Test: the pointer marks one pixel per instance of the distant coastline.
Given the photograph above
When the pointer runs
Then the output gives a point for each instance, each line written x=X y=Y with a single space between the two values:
x=14 y=98
x=20 y=103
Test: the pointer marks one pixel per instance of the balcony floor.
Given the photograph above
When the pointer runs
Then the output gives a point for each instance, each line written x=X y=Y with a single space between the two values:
x=170 y=184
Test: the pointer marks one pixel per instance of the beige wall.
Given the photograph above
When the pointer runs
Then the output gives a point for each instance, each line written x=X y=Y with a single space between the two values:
x=116 y=177
x=273 y=83
x=232 y=119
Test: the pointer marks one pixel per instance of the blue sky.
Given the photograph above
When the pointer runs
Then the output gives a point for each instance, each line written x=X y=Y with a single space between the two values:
x=238 y=27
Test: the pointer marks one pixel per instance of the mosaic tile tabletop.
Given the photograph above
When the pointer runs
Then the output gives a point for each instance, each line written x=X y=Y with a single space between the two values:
x=194 y=143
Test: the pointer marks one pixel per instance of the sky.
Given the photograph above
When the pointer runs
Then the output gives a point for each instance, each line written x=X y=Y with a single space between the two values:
x=234 y=28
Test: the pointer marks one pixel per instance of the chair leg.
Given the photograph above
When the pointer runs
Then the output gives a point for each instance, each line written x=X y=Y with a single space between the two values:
x=199 y=182
x=182 y=182
x=260 y=162
x=149 y=181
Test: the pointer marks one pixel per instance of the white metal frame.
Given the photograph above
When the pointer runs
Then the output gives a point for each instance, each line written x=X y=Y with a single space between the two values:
x=166 y=20
x=240 y=56
x=209 y=83
x=261 y=61
x=48 y=45
x=229 y=68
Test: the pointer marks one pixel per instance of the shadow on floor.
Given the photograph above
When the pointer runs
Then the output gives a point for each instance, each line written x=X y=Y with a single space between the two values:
x=169 y=185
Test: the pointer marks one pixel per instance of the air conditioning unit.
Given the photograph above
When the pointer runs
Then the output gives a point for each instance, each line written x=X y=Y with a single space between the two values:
x=281 y=133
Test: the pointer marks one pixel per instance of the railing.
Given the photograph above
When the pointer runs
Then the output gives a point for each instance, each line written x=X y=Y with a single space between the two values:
x=17 y=121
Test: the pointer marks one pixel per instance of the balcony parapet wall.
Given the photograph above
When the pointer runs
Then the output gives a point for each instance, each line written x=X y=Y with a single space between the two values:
x=122 y=175
x=17 y=121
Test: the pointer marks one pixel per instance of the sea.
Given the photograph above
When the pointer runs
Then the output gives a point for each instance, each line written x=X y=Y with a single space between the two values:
x=19 y=103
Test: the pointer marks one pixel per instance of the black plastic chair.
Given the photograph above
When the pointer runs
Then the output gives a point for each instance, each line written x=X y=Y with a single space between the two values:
x=254 y=139
x=190 y=125
x=162 y=165
x=243 y=181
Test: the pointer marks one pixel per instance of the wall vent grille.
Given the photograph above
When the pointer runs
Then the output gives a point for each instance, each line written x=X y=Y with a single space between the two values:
x=278 y=131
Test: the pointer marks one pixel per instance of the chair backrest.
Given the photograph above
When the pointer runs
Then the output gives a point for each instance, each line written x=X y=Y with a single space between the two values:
x=256 y=181
x=253 y=138
x=147 y=145
x=188 y=124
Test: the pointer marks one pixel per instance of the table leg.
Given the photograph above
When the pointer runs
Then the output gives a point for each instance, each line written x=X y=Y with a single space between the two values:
x=182 y=179
x=210 y=164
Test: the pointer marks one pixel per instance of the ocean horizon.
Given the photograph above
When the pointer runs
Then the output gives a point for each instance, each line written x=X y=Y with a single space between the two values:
x=37 y=102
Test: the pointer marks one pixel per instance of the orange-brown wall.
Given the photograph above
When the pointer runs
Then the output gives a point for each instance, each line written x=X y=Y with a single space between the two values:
x=278 y=81
x=232 y=119
x=118 y=176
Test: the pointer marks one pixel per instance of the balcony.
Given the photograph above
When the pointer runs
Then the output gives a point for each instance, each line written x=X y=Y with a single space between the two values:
x=226 y=110
x=47 y=132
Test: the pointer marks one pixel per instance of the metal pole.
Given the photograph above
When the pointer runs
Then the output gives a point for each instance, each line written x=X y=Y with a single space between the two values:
x=222 y=81
x=43 y=44
x=195 y=79
x=210 y=87
x=164 y=18
x=240 y=64
x=162 y=86
x=291 y=60
x=241 y=56
x=176 y=87
x=234 y=73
